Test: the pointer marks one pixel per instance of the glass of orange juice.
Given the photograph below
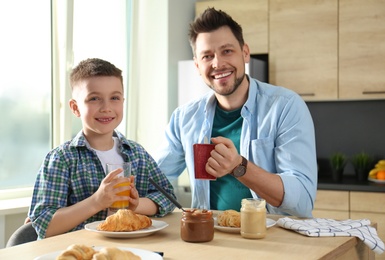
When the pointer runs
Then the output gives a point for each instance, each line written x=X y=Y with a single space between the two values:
x=126 y=166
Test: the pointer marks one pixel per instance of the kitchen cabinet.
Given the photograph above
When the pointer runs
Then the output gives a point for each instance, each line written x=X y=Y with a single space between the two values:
x=331 y=204
x=370 y=205
x=250 y=14
x=352 y=205
x=361 y=49
x=303 y=47
x=322 y=49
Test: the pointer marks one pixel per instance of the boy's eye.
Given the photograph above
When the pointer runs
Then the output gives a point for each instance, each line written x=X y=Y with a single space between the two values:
x=94 y=98
x=116 y=98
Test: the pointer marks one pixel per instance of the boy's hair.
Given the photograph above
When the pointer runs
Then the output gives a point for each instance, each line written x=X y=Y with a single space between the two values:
x=93 y=68
x=211 y=20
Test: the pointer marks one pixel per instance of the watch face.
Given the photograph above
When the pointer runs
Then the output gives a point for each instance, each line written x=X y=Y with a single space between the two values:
x=239 y=171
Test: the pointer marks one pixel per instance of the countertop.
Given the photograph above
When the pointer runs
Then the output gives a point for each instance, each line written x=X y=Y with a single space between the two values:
x=348 y=183
x=279 y=243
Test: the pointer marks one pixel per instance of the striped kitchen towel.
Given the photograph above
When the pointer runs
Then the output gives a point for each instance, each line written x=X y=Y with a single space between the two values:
x=318 y=227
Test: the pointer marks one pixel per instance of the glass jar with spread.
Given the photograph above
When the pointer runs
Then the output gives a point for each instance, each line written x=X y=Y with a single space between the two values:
x=197 y=225
x=253 y=218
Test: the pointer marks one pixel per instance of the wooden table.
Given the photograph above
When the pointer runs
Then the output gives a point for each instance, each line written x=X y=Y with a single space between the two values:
x=278 y=244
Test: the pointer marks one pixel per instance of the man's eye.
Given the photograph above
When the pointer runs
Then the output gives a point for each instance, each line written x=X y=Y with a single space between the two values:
x=206 y=57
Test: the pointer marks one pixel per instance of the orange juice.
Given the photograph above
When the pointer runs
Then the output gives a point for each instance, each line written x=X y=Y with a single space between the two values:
x=126 y=167
x=121 y=204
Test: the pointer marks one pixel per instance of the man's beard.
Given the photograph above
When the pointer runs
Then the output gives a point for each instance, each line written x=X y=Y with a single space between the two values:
x=232 y=89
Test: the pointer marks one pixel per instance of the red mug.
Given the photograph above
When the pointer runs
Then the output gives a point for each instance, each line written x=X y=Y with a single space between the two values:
x=201 y=155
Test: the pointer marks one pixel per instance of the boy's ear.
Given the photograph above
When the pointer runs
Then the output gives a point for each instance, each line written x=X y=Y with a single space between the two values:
x=74 y=107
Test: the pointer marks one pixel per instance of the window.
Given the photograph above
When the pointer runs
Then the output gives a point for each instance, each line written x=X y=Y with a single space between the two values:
x=103 y=34
x=25 y=90
x=32 y=101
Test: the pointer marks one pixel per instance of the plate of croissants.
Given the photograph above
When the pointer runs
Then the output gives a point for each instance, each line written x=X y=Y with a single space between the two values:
x=77 y=251
x=230 y=221
x=126 y=224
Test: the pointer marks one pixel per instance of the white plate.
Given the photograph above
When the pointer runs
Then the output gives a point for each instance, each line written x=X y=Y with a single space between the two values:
x=156 y=226
x=144 y=254
x=269 y=223
x=376 y=180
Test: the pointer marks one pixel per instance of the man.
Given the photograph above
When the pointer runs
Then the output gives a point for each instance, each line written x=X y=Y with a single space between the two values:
x=264 y=134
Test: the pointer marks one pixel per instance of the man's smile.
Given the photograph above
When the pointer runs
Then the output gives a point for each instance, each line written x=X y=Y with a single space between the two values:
x=222 y=75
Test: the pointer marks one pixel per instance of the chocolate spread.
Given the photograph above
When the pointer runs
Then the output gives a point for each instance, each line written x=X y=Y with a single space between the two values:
x=197 y=225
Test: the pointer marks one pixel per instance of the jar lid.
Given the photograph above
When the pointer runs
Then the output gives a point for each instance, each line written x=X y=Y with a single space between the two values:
x=253 y=203
x=197 y=212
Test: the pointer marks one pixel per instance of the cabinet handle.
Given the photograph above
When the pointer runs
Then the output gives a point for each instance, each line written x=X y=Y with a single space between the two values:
x=307 y=94
x=373 y=92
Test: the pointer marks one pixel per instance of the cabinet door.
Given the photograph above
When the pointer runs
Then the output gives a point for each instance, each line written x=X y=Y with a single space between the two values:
x=331 y=204
x=303 y=47
x=373 y=217
x=367 y=202
x=369 y=205
x=332 y=200
x=251 y=16
x=362 y=49
x=333 y=214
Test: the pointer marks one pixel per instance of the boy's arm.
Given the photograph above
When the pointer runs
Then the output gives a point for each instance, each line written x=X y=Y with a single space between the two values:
x=67 y=218
x=147 y=207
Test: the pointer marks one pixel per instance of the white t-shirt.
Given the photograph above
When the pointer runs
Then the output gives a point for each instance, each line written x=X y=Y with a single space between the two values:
x=112 y=156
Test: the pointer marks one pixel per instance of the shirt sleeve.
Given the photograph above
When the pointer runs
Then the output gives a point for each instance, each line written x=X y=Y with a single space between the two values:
x=146 y=167
x=50 y=192
x=295 y=157
x=170 y=157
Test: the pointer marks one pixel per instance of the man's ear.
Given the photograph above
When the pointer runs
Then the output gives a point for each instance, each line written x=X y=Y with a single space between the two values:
x=246 y=53
x=74 y=107
x=196 y=65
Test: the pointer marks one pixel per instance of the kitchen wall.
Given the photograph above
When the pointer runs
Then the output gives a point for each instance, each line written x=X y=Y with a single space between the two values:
x=160 y=40
x=349 y=127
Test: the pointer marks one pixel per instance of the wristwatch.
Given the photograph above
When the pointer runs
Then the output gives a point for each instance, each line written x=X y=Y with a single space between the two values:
x=240 y=170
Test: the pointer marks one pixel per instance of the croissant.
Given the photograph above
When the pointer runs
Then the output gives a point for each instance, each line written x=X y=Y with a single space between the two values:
x=125 y=220
x=111 y=253
x=229 y=218
x=78 y=252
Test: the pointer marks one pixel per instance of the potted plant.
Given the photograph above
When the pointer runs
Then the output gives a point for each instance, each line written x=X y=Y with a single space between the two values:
x=362 y=165
x=338 y=162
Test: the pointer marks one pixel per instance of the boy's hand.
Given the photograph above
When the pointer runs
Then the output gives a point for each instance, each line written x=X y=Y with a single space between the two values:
x=106 y=193
x=134 y=195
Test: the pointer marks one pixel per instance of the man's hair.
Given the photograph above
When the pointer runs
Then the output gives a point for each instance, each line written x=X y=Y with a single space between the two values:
x=93 y=68
x=211 y=20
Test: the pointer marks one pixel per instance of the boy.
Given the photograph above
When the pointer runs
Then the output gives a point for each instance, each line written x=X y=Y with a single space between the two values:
x=72 y=188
